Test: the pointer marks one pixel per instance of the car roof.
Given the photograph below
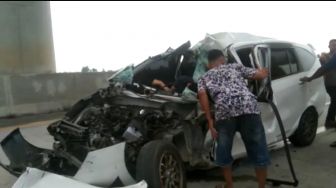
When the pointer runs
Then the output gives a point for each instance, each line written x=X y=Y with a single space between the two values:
x=275 y=41
x=224 y=39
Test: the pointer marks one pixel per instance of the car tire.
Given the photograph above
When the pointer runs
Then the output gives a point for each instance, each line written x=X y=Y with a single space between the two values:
x=306 y=131
x=160 y=165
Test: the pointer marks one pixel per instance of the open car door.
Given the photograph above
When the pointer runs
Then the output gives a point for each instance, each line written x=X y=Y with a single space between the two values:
x=262 y=59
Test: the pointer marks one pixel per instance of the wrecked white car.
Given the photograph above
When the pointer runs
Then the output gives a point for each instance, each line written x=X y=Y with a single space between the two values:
x=131 y=131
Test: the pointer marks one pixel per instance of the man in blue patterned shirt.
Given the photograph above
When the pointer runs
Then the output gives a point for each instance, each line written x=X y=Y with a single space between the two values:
x=236 y=109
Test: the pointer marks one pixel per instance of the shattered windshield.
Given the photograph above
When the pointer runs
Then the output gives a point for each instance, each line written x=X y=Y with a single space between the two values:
x=124 y=75
x=201 y=50
x=217 y=41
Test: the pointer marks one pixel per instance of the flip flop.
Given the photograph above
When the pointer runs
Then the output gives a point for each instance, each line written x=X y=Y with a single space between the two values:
x=333 y=145
x=220 y=186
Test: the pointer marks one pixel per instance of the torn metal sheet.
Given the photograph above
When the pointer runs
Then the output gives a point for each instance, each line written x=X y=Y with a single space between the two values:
x=102 y=167
x=35 y=178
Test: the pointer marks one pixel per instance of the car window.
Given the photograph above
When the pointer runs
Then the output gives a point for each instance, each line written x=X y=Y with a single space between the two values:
x=305 y=57
x=201 y=61
x=159 y=67
x=188 y=64
x=293 y=62
x=245 y=57
x=280 y=66
x=124 y=75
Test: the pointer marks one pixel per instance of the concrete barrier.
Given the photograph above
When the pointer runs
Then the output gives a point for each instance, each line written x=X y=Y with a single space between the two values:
x=43 y=93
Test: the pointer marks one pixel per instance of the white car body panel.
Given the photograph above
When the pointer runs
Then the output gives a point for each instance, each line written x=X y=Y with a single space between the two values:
x=102 y=167
x=35 y=178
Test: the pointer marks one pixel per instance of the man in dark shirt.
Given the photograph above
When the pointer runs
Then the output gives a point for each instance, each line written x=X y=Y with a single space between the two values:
x=328 y=70
x=326 y=67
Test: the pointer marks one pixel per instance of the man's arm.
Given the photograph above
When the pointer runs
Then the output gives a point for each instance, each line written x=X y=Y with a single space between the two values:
x=205 y=105
x=204 y=102
x=158 y=83
x=252 y=73
x=321 y=71
x=318 y=73
x=161 y=84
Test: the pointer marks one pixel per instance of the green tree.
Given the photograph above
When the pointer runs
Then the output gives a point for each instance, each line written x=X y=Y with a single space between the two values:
x=86 y=69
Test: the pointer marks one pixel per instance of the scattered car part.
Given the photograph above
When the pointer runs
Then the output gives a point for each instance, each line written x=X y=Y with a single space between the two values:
x=35 y=178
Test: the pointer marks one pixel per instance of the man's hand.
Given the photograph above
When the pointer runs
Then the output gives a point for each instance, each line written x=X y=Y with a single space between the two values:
x=212 y=129
x=324 y=57
x=305 y=79
x=261 y=74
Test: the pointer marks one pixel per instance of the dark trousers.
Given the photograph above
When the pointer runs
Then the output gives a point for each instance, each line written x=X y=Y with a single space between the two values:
x=331 y=90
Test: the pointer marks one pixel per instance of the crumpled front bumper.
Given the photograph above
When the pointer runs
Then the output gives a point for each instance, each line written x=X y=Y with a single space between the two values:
x=103 y=167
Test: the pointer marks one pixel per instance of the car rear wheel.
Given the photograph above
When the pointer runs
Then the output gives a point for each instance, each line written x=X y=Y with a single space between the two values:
x=306 y=131
x=160 y=165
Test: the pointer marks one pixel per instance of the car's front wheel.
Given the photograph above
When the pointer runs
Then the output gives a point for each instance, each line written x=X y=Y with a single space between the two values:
x=306 y=131
x=160 y=165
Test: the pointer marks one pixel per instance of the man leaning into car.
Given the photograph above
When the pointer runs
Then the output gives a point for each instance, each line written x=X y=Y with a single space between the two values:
x=236 y=109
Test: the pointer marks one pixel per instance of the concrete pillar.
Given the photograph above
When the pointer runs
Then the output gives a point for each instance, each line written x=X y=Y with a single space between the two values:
x=26 y=42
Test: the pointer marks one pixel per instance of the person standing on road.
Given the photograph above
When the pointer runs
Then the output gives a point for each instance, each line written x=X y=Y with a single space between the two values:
x=328 y=70
x=330 y=85
x=236 y=109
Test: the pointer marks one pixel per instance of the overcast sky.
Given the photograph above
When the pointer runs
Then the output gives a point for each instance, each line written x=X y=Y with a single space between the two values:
x=110 y=35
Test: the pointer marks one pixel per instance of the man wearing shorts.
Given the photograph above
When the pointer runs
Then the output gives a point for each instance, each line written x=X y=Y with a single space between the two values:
x=236 y=109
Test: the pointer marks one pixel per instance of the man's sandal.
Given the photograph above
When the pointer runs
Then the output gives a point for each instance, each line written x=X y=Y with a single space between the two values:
x=221 y=186
x=333 y=144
